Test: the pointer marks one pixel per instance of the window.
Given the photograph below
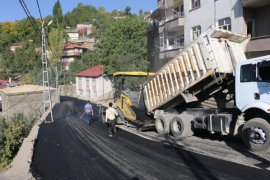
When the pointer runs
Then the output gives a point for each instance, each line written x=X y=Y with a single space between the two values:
x=80 y=83
x=263 y=71
x=247 y=73
x=176 y=12
x=94 y=84
x=195 y=4
x=225 y=24
x=196 y=31
x=87 y=84
x=170 y=38
x=180 y=39
x=162 y=40
x=251 y=27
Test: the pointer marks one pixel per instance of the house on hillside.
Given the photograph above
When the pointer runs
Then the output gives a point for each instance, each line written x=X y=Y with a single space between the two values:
x=16 y=45
x=71 y=53
x=92 y=84
x=85 y=28
x=73 y=34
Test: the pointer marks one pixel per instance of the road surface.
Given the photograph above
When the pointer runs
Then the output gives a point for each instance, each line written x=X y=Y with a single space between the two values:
x=69 y=148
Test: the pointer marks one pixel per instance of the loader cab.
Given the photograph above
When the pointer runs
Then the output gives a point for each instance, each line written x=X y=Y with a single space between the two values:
x=252 y=84
x=128 y=97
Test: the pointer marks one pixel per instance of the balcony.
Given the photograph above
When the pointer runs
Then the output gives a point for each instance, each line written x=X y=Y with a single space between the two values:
x=170 y=23
x=255 y=3
x=258 y=44
x=172 y=3
x=174 y=46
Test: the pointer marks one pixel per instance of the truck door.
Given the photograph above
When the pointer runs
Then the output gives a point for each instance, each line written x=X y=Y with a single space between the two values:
x=262 y=88
x=244 y=83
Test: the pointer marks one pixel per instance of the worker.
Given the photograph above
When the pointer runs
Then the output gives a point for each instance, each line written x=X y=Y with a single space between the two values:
x=110 y=119
x=88 y=110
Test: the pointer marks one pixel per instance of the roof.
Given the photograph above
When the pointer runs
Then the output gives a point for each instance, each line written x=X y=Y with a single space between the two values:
x=71 y=30
x=17 y=44
x=74 y=46
x=24 y=89
x=134 y=73
x=3 y=81
x=94 y=71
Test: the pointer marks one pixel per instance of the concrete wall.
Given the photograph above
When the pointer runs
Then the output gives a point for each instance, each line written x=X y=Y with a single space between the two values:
x=29 y=104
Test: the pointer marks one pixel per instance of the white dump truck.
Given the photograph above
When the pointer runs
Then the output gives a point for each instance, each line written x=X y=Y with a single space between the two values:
x=211 y=85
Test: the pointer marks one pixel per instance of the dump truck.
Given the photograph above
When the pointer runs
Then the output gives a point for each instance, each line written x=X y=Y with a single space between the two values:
x=210 y=85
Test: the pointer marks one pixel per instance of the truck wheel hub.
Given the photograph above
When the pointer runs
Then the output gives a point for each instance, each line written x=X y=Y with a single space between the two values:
x=257 y=136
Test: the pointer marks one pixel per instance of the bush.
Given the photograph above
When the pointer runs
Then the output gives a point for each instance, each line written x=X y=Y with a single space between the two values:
x=12 y=133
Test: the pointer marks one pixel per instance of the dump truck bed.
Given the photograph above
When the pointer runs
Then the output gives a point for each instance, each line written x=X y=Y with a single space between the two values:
x=207 y=61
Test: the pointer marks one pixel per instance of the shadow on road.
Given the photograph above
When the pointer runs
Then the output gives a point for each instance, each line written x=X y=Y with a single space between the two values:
x=237 y=144
x=190 y=160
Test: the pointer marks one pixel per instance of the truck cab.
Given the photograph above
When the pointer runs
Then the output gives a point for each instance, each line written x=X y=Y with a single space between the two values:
x=252 y=96
x=252 y=84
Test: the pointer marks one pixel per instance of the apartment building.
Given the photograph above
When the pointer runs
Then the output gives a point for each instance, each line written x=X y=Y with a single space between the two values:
x=72 y=52
x=184 y=20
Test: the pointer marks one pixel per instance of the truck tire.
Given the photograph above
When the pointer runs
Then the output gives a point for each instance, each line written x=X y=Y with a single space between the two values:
x=256 y=134
x=181 y=126
x=163 y=124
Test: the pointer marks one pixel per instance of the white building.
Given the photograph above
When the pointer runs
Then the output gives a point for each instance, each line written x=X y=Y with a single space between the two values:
x=92 y=84
x=201 y=14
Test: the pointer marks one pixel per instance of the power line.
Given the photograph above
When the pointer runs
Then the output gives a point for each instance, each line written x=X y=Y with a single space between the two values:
x=30 y=18
x=39 y=10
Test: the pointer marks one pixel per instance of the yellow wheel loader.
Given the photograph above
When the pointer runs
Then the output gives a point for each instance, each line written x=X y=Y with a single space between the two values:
x=130 y=103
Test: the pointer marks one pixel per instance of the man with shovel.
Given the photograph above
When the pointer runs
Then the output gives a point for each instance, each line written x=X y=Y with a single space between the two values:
x=88 y=111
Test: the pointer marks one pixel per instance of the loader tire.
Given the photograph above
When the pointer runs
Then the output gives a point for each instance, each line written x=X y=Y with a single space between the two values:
x=181 y=126
x=256 y=134
x=163 y=124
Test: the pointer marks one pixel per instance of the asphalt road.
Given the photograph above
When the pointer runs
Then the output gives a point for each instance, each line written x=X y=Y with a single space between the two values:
x=69 y=148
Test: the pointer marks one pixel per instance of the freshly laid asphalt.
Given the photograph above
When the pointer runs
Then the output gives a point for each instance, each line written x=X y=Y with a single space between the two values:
x=69 y=148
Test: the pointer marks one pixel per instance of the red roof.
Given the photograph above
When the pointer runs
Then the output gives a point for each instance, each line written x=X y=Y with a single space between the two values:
x=3 y=81
x=94 y=71
x=74 y=46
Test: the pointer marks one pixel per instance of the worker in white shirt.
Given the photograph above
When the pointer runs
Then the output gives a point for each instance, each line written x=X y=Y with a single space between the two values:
x=110 y=119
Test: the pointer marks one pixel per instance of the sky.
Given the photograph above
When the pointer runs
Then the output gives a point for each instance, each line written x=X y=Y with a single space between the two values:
x=11 y=10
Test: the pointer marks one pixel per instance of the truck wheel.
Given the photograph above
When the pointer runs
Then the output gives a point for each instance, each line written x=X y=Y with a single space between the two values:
x=163 y=124
x=181 y=126
x=256 y=134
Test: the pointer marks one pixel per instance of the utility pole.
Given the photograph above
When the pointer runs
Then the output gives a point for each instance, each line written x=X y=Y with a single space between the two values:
x=45 y=74
x=103 y=82
x=57 y=85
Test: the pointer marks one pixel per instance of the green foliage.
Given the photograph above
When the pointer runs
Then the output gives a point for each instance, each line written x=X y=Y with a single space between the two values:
x=20 y=62
x=57 y=14
x=124 y=46
x=82 y=13
x=127 y=10
x=24 y=60
x=12 y=133
x=55 y=40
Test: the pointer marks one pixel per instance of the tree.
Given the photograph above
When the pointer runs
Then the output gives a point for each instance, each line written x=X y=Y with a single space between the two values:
x=124 y=46
x=57 y=14
x=56 y=42
x=82 y=13
x=140 y=12
x=22 y=61
x=127 y=10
